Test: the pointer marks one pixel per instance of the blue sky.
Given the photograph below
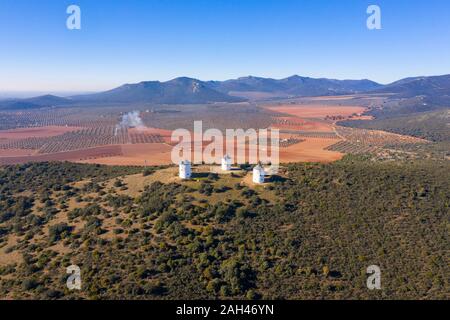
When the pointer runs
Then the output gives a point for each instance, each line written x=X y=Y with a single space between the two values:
x=135 y=40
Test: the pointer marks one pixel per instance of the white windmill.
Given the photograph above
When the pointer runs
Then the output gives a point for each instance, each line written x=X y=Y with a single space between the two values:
x=185 y=170
x=226 y=163
x=258 y=174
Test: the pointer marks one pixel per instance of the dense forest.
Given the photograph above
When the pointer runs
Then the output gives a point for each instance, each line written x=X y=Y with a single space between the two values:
x=310 y=233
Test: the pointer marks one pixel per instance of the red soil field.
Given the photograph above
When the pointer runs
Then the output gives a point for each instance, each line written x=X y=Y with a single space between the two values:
x=311 y=150
x=165 y=134
x=16 y=152
x=22 y=133
x=295 y=123
x=317 y=111
x=301 y=119
x=308 y=118
x=137 y=154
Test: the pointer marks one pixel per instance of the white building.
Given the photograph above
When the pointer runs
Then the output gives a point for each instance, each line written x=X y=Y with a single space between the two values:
x=258 y=174
x=226 y=163
x=185 y=170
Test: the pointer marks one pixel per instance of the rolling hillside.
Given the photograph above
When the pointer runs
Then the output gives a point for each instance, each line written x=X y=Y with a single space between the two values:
x=35 y=102
x=177 y=91
x=419 y=86
x=430 y=92
x=310 y=235
x=294 y=86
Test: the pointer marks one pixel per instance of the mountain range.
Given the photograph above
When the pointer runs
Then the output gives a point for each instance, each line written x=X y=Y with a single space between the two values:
x=294 y=86
x=185 y=90
x=177 y=91
x=419 y=86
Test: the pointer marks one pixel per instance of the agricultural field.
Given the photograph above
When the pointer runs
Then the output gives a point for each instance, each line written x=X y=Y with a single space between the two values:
x=308 y=127
x=62 y=117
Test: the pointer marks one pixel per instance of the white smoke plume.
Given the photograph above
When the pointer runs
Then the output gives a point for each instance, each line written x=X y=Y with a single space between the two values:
x=130 y=120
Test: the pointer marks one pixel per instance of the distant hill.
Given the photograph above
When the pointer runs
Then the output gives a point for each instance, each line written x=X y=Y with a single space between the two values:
x=295 y=86
x=433 y=92
x=35 y=102
x=437 y=86
x=418 y=106
x=48 y=100
x=177 y=91
x=414 y=95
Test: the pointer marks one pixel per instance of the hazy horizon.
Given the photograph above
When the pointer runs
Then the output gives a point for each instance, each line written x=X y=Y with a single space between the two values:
x=23 y=94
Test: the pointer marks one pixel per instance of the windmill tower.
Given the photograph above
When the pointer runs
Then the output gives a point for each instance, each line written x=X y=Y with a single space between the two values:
x=185 y=170
x=258 y=174
x=226 y=163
